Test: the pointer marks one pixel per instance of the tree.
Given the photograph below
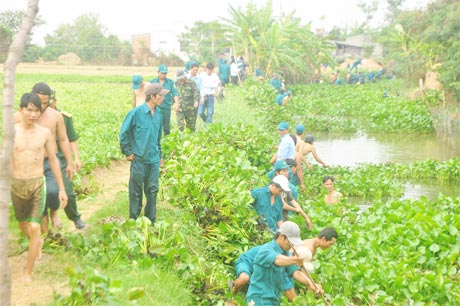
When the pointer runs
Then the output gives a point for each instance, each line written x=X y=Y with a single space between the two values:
x=87 y=38
x=15 y=52
x=204 y=40
x=10 y=22
x=281 y=44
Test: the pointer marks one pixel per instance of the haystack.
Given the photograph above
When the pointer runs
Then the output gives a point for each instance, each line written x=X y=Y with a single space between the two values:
x=69 y=59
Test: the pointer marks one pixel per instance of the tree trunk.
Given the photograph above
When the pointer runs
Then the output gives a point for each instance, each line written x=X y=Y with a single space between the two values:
x=14 y=55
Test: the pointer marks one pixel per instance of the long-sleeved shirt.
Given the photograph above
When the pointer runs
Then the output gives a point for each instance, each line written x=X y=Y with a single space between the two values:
x=286 y=149
x=168 y=99
x=262 y=204
x=140 y=134
x=208 y=83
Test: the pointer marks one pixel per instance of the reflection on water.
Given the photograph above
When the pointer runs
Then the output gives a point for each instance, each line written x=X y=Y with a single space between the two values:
x=430 y=190
x=352 y=149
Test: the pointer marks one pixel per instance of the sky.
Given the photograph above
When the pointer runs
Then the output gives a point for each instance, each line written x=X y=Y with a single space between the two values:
x=126 y=18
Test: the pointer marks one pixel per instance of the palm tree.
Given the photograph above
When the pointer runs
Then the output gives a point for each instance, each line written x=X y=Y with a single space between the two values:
x=276 y=45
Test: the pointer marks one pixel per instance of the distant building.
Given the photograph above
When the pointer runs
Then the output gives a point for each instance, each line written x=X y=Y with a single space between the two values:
x=141 y=44
x=357 y=46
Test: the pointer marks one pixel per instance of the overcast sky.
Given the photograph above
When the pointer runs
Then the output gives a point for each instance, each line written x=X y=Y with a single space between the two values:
x=125 y=18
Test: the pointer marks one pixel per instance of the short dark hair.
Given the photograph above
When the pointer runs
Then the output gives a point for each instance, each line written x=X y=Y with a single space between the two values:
x=291 y=162
x=328 y=177
x=329 y=233
x=309 y=139
x=210 y=65
x=30 y=98
x=42 y=89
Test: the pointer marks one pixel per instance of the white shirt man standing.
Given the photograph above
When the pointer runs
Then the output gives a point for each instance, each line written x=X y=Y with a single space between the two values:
x=209 y=81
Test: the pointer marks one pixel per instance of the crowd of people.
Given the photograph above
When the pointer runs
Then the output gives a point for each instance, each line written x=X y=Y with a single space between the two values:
x=46 y=156
x=352 y=75
x=271 y=269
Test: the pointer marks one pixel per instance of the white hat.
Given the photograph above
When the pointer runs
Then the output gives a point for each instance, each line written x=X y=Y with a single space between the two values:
x=291 y=231
x=282 y=181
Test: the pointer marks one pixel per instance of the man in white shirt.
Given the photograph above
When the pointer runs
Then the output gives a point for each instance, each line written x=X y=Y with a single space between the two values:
x=286 y=148
x=209 y=81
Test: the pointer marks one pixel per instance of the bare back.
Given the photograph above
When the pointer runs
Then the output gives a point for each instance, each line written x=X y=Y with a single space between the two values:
x=307 y=148
x=299 y=144
x=139 y=94
x=31 y=145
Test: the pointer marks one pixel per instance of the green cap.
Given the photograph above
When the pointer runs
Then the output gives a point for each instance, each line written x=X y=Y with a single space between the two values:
x=163 y=69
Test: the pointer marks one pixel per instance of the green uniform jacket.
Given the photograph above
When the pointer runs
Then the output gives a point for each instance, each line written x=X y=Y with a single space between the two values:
x=169 y=85
x=268 y=281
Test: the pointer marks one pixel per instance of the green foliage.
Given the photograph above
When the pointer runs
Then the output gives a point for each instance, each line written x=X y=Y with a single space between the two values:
x=204 y=41
x=416 y=41
x=342 y=108
x=89 y=287
x=87 y=38
x=390 y=252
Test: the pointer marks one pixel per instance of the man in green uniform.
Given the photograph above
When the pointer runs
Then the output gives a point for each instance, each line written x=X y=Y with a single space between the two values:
x=244 y=268
x=272 y=263
x=268 y=203
x=188 y=102
x=140 y=141
x=281 y=167
x=71 y=209
x=165 y=107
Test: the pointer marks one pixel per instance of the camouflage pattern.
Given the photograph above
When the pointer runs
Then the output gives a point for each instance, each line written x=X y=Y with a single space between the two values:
x=188 y=95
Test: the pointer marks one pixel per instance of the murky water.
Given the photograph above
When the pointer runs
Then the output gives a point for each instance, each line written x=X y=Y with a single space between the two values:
x=352 y=149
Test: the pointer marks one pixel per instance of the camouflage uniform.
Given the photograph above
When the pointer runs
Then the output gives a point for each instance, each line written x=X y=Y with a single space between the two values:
x=188 y=95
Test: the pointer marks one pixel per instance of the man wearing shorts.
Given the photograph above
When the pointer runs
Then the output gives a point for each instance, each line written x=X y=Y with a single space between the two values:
x=31 y=144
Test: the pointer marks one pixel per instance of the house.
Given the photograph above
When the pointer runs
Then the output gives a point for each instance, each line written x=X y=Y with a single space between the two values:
x=357 y=46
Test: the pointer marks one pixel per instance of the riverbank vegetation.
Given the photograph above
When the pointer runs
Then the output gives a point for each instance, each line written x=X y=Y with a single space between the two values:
x=392 y=251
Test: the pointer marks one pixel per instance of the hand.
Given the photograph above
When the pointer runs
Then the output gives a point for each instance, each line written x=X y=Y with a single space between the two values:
x=78 y=165
x=176 y=107
x=195 y=105
x=298 y=261
x=309 y=224
x=162 y=163
x=63 y=198
x=318 y=289
x=69 y=171
x=130 y=157
x=303 y=187
x=202 y=101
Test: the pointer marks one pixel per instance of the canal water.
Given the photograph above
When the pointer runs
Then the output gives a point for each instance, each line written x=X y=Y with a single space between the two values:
x=353 y=149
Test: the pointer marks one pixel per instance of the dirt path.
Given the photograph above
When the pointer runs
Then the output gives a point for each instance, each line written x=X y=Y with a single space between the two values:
x=111 y=180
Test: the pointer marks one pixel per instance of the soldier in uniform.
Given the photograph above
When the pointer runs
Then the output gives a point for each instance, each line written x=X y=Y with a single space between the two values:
x=188 y=102
x=170 y=99
x=71 y=209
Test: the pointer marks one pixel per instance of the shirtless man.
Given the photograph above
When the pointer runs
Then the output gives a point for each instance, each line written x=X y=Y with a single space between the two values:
x=139 y=87
x=299 y=129
x=32 y=143
x=324 y=240
x=54 y=121
x=309 y=148
x=332 y=196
